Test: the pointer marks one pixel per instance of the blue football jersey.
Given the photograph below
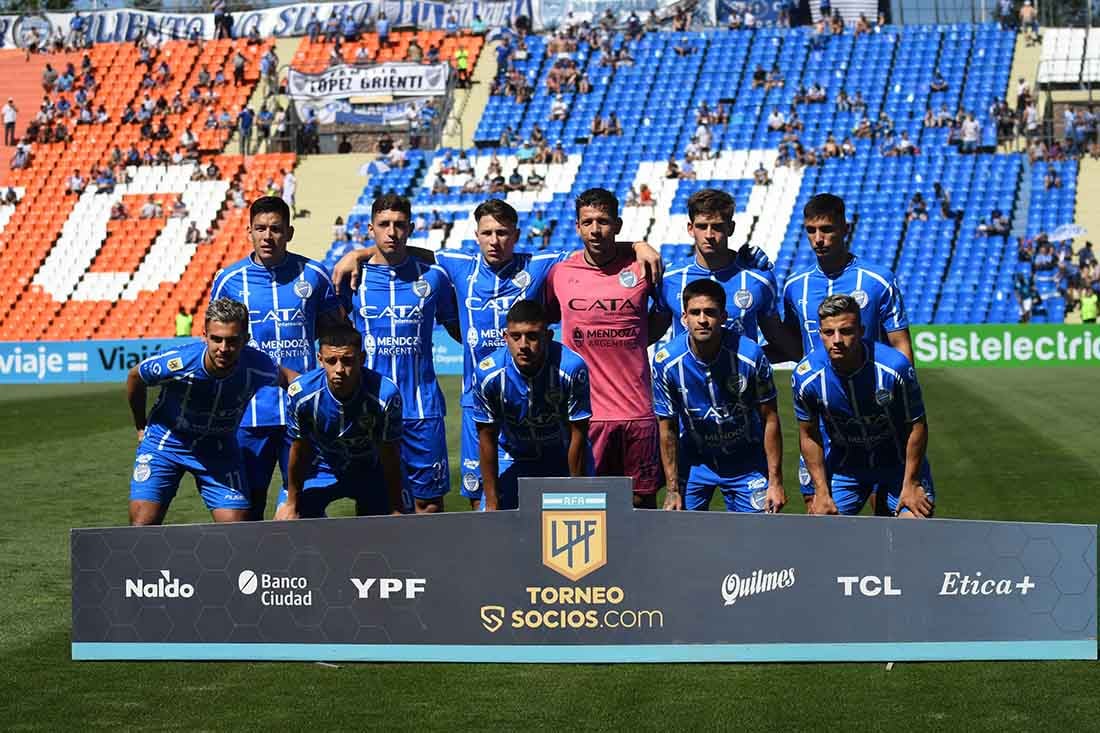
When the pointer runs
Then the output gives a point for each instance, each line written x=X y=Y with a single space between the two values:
x=345 y=434
x=532 y=412
x=717 y=404
x=396 y=308
x=866 y=415
x=192 y=404
x=283 y=305
x=750 y=294
x=874 y=288
x=484 y=296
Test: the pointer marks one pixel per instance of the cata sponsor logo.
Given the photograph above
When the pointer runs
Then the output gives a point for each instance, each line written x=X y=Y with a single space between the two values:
x=276 y=590
x=164 y=586
x=736 y=587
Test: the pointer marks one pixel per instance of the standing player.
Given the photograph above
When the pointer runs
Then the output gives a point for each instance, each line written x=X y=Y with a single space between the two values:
x=290 y=299
x=486 y=285
x=607 y=316
x=839 y=271
x=398 y=302
x=751 y=292
x=345 y=423
x=866 y=396
x=716 y=404
x=205 y=387
x=531 y=405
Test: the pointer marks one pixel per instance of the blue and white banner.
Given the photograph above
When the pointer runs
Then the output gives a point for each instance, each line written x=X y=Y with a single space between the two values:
x=392 y=79
x=71 y=362
x=113 y=26
x=64 y=362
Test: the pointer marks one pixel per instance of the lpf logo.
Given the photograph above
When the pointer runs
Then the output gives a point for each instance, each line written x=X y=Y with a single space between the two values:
x=574 y=533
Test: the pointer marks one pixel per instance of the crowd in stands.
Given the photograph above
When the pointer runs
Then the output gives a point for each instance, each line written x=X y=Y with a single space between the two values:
x=1050 y=276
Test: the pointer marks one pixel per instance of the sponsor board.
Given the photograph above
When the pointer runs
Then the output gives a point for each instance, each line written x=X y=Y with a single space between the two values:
x=583 y=577
x=55 y=362
x=1006 y=345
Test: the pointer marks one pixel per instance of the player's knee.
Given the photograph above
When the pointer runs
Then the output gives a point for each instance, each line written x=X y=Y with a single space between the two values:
x=231 y=515
x=144 y=514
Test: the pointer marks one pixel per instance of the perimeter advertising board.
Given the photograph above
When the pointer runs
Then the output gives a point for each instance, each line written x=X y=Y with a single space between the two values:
x=577 y=575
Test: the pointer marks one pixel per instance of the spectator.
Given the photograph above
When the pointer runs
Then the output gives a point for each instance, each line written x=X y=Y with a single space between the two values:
x=119 y=212
x=75 y=184
x=193 y=236
x=672 y=170
x=598 y=127
x=350 y=28
x=1052 y=179
x=614 y=127
x=558 y=109
x=776 y=120
x=558 y=155
x=151 y=209
x=439 y=186
x=847 y=148
x=1089 y=301
x=10 y=198
x=105 y=181
x=645 y=196
x=10 y=114
x=863 y=26
x=290 y=190
x=397 y=157
x=939 y=84
x=1085 y=258
x=760 y=176
x=858 y=104
x=684 y=47
x=245 y=119
x=313 y=27
x=774 y=79
x=179 y=209
x=239 y=62
x=1029 y=22
x=970 y=133
x=918 y=208
x=332 y=28
x=462 y=67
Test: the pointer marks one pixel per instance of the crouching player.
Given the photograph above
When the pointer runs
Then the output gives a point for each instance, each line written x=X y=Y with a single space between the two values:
x=866 y=396
x=716 y=405
x=344 y=420
x=531 y=406
x=205 y=388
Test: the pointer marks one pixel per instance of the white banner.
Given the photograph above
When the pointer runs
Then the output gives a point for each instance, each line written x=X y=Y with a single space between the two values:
x=114 y=26
x=342 y=82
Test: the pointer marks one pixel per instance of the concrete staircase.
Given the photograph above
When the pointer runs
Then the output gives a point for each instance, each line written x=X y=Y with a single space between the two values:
x=284 y=49
x=328 y=186
x=469 y=104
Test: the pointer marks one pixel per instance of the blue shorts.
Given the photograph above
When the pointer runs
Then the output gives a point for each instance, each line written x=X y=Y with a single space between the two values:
x=424 y=456
x=471 y=457
x=215 y=464
x=851 y=489
x=260 y=449
x=315 y=498
x=745 y=492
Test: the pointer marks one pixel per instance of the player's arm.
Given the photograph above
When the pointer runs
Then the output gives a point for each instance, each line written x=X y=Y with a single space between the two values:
x=136 y=392
x=657 y=322
x=792 y=336
x=389 y=454
x=913 y=496
x=488 y=435
x=784 y=344
x=349 y=266
x=578 y=447
x=813 y=452
x=669 y=428
x=301 y=456
x=902 y=341
x=653 y=267
x=286 y=376
x=773 y=451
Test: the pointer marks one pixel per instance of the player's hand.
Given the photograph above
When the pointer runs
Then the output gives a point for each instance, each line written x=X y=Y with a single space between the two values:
x=653 y=267
x=823 y=504
x=914 y=498
x=752 y=258
x=674 y=500
x=347 y=269
x=140 y=434
x=286 y=511
x=775 y=499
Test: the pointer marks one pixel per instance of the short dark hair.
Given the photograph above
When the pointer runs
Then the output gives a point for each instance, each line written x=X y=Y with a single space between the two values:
x=527 y=311
x=710 y=201
x=500 y=210
x=824 y=206
x=339 y=337
x=269 y=205
x=706 y=288
x=391 y=202
x=599 y=198
x=836 y=305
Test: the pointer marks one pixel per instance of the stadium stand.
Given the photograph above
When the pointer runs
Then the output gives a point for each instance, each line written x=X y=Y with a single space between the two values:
x=950 y=269
x=68 y=271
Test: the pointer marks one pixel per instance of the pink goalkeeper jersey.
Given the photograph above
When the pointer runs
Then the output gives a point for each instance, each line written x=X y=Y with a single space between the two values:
x=604 y=314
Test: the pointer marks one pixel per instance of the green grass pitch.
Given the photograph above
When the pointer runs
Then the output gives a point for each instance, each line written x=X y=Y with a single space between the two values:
x=1012 y=444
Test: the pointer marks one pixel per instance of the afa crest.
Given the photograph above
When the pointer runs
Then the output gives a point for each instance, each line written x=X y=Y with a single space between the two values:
x=574 y=533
